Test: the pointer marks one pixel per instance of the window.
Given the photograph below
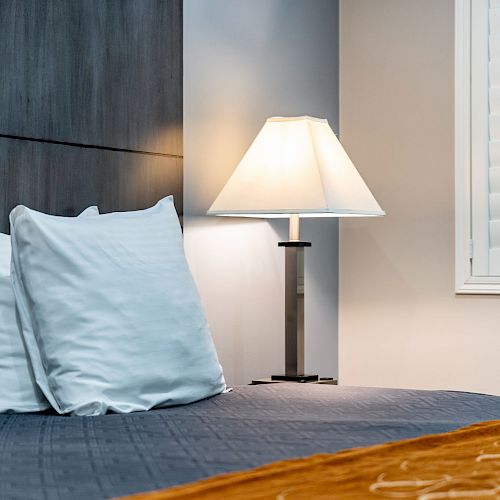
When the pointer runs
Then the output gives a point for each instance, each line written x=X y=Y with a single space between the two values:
x=477 y=145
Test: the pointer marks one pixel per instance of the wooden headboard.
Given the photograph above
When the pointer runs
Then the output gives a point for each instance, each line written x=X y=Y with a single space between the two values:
x=90 y=104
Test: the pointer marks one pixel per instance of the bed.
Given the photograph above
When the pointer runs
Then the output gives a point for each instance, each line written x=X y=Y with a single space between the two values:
x=45 y=456
x=124 y=152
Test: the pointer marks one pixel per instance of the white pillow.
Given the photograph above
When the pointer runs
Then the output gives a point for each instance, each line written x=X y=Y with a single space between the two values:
x=18 y=390
x=110 y=314
x=4 y=254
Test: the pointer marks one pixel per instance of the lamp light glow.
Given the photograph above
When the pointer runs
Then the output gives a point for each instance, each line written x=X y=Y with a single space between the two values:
x=295 y=166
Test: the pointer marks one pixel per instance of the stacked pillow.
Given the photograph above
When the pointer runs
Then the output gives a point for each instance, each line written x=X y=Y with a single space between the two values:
x=18 y=390
x=109 y=312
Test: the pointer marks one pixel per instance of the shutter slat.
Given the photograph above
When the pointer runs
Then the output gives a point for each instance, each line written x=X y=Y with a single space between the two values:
x=494 y=262
x=495 y=206
x=495 y=234
x=494 y=127
x=494 y=180
x=495 y=153
x=495 y=101
x=495 y=21
x=494 y=46
x=495 y=73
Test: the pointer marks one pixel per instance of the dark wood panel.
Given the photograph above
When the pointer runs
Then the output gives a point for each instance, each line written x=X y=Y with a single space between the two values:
x=100 y=72
x=63 y=180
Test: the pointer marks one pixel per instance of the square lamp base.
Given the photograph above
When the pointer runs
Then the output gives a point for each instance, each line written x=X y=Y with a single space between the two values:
x=295 y=378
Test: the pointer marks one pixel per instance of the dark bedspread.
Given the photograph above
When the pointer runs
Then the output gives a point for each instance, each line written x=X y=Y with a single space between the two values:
x=53 y=457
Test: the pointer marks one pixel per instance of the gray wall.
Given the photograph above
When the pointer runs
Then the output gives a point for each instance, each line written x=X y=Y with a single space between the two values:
x=243 y=62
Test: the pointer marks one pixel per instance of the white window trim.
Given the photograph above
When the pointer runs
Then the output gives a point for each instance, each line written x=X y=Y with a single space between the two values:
x=466 y=282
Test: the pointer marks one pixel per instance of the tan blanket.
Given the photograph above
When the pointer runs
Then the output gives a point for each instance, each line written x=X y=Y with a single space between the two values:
x=459 y=464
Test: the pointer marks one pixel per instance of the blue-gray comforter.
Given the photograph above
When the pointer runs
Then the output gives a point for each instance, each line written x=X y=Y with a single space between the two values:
x=52 y=457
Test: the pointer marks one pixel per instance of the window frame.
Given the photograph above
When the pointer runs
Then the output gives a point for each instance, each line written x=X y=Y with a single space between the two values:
x=470 y=226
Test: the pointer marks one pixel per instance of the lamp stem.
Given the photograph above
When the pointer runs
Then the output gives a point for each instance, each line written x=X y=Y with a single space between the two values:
x=294 y=227
x=294 y=310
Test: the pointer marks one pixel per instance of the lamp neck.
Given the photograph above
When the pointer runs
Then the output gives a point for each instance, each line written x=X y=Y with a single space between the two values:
x=294 y=227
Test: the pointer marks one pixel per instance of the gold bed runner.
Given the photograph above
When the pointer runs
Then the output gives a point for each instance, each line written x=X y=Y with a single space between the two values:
x=460 y=464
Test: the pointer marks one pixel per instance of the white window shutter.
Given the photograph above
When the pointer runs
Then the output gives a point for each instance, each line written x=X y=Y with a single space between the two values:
x=480 y=136
x=477 y=146
x=494 y=137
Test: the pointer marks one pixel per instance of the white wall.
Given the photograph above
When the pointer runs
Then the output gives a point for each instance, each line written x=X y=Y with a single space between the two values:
x=401 y=325
x=244 y=61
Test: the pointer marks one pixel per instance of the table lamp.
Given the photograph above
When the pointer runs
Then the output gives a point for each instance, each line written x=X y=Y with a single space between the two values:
x=295 y=168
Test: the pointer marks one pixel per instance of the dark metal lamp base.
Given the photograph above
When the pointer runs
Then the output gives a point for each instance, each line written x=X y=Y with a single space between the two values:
x=296 y=378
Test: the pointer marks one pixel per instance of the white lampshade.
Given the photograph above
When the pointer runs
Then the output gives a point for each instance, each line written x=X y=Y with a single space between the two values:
x=296 y=166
